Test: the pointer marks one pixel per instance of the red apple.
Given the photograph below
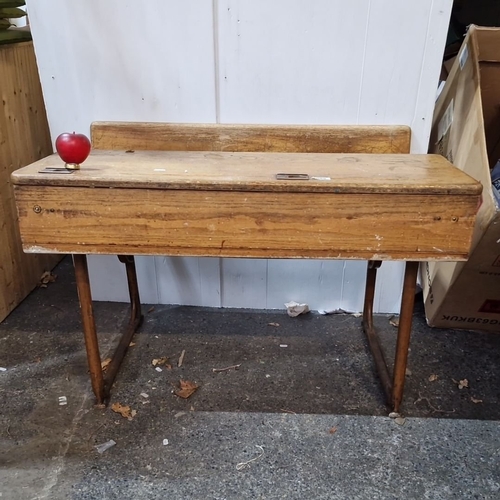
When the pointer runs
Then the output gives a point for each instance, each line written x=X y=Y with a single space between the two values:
x=73 y=148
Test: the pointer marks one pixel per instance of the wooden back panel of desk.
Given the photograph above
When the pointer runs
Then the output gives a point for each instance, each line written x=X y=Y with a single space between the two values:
x=143 y=136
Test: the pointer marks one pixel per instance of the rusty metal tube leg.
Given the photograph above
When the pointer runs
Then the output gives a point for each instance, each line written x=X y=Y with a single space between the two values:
x=371 y=279
x=404 y=332
x=133 y=324
x=371 y=333
x=89 y=329
x=133 y=287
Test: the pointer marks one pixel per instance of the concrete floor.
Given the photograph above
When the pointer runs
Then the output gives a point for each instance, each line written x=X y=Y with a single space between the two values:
x=303 y=421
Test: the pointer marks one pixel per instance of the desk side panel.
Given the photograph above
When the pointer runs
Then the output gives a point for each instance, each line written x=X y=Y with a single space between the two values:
x=245 y=224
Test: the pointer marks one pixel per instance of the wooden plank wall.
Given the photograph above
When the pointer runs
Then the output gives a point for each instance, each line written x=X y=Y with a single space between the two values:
x=24 y=138
x=238 y=61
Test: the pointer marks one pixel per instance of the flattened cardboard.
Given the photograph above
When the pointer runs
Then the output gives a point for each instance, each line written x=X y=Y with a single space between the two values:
x=466 y=129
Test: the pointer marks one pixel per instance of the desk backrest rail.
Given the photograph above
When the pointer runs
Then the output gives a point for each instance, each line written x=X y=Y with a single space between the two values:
x=376 y=139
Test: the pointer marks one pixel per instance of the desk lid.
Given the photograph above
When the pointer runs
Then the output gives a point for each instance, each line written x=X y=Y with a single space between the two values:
x=228 y=171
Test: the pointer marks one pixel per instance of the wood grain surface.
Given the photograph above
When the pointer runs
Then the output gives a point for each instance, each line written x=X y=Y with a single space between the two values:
x=24 y=138
x=245 y=224
x=251 y=138
x=329 y=172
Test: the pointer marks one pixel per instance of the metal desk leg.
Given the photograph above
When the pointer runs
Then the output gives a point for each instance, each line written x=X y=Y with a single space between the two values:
x=101 y=384
x=88 y=323
x=393 y=388
x=133 y=324
x=371 y=332
x=404 y=332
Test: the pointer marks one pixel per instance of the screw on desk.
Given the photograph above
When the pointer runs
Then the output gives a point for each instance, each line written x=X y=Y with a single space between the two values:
x=37 y=209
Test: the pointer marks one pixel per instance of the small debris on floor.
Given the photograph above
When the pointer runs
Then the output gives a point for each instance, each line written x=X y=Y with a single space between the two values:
x=144 y=395
x=462 y=383
x=151 y=309
x=433 y=378
x=283 y=345
x=165 y=442
x=124 y=411
x=227 y=368
x=179 y=414
x=431 y=406
x=274 y=324
x=333 y=430
x=160 y=361
x=325 y=312
x=181 y=358
x=394 y=321
x=394 y=414
x=474 y=400
x=158 y=369
x=243 y=465
x=63 y=400
x=408 y=372
x=101 y=448
x=105 y=363
x=46 y=278
x=132 y=344
x=294 y=309
x=400 y=420
x=2 y=369
x=186 y=389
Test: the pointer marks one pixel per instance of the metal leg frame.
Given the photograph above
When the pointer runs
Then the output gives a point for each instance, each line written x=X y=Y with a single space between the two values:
x=394 y=387
x=102 y=382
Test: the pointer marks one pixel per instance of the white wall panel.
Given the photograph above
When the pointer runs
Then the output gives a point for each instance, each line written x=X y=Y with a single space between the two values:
x=316 y=282
x=403 y=56
x=244 y=283
x=330 y=62
x=121 y=60
x=108 y=277
x=353 y=290
x=291 y=62
x=241 y=61
x=188 y=281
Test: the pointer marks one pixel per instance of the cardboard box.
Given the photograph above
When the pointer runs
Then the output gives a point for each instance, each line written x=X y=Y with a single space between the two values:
x=466 y=129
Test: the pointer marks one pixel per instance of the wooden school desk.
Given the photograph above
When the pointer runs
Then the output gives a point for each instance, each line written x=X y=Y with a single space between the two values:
x=249 y=191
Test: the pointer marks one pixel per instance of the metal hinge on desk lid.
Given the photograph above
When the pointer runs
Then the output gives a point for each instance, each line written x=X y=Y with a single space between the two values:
x=55 y=170
x=292 y=177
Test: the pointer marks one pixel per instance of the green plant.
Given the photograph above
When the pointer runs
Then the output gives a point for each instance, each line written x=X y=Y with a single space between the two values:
x=9 y=9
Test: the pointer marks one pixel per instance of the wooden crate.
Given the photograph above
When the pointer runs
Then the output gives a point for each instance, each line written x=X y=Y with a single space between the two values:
x=24 y=138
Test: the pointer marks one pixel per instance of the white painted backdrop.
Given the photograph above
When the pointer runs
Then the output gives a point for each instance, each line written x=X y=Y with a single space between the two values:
x=242 y=61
